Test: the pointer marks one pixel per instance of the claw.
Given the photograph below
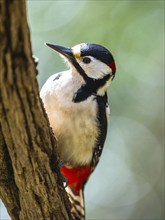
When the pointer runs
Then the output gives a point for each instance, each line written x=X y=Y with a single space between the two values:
x=64 y=179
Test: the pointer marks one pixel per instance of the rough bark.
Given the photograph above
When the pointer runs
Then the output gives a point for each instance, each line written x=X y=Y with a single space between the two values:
x=30 y=181
x=8 y=188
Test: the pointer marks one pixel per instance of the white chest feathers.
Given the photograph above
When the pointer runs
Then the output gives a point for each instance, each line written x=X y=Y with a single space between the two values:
x=74 y=124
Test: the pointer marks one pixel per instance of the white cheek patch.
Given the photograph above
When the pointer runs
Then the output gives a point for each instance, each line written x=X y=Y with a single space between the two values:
x=95 y=69
x=76 y=50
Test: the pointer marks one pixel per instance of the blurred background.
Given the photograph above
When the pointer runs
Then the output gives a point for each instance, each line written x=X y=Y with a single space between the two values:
x=129 y=181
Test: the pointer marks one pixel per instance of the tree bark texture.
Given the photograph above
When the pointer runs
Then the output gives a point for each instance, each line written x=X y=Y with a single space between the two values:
x=31 y=186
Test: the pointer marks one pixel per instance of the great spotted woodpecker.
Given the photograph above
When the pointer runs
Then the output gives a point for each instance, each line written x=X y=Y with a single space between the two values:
x=77 y=107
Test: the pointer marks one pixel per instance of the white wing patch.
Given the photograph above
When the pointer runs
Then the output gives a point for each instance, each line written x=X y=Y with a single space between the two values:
x=108 y=112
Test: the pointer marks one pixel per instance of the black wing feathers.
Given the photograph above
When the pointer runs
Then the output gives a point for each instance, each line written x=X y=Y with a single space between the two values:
x=102 y=119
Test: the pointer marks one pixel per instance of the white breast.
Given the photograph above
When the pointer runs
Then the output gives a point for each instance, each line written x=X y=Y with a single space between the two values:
x=74 y=124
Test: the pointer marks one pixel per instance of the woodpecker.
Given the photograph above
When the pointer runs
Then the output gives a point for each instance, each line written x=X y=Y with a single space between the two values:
x=77 y=107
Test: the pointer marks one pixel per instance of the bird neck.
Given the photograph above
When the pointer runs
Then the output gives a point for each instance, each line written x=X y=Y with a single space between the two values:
x=103 y=89
x=90 y=86
x=97 y=86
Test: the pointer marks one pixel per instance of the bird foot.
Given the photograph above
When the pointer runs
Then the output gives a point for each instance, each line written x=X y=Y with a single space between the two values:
x=64 y=179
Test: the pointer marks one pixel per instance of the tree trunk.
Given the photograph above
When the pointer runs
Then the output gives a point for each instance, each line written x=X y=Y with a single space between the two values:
x=31 y=186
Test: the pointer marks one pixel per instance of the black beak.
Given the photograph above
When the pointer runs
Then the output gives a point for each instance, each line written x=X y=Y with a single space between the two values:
x=67 y=52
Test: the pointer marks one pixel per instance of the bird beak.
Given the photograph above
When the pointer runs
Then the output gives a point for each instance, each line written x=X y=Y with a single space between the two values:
x=66 y=52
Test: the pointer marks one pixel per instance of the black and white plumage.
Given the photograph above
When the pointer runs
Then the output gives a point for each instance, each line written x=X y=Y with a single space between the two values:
x=77 y=107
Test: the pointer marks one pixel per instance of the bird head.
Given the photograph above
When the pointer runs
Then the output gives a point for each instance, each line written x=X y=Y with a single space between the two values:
x=92 y=61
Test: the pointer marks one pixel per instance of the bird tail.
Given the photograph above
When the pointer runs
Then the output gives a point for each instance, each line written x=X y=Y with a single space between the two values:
x=77 y=202
x=77 y=177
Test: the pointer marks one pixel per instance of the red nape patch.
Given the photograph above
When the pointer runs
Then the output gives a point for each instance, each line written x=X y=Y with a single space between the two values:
x=113 y=67
x=76 y=176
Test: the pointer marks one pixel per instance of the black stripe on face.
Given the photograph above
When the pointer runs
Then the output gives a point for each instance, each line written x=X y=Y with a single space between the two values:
x=90 y=88
x=80 y=70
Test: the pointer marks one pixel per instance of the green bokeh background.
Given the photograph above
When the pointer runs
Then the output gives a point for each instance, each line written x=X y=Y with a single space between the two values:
x=129 y=181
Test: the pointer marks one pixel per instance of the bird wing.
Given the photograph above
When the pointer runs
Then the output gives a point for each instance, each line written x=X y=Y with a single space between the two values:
x=102 y=116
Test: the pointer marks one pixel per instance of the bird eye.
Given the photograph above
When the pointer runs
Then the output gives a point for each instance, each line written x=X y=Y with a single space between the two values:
x=86 y=60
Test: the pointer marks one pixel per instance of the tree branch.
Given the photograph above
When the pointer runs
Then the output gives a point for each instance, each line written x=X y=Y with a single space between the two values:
x=28 y=147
